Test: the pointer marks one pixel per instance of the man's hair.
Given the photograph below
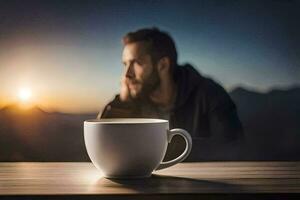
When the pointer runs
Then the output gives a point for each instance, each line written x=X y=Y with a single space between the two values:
x=159 y=43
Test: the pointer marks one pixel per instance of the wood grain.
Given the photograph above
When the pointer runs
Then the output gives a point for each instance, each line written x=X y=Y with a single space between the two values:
x=185 y=178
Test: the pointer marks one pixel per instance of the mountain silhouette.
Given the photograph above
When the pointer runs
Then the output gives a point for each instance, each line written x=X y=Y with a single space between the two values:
x=271 y=123
x=35 y=135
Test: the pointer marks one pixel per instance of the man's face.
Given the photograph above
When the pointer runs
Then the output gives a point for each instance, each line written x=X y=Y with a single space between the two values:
x=140 y=76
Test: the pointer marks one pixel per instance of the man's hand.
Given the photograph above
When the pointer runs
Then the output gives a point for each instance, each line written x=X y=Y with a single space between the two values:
x=124 y=92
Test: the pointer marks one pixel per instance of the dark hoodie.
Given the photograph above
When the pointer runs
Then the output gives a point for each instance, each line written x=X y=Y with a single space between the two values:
x=202 y=107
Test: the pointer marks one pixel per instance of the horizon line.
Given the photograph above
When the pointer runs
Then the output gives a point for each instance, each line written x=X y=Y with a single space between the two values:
x=96 y=111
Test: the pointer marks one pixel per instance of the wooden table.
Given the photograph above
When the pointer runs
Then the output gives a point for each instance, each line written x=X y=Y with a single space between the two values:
x=211 y=180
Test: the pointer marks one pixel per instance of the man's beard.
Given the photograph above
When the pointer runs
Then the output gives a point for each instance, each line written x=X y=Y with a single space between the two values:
x=147 y=86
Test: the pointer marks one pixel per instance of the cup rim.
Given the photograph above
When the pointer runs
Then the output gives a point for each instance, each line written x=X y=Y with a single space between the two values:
x=125 y=121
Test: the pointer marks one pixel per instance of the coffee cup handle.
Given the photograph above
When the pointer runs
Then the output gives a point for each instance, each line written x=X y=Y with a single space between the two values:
x=186 y=152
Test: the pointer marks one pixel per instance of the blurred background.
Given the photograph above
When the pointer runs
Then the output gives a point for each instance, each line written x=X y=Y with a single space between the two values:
x=60 y=63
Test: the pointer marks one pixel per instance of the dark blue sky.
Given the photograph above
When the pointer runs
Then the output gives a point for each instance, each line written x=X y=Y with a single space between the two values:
x=75 y=47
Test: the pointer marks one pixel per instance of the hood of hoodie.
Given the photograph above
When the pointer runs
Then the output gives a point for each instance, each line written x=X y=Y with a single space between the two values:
x=187 y=79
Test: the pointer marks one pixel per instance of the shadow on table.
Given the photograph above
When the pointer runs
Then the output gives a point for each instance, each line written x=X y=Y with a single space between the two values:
x=171 y=184
x=171 y=187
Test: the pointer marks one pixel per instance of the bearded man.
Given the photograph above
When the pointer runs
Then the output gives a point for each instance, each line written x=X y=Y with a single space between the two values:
x=153 y=85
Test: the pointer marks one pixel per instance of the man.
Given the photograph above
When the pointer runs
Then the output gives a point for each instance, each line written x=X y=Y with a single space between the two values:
x=155 y=86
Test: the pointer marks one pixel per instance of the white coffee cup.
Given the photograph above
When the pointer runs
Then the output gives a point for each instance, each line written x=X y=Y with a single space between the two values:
x=131 y=147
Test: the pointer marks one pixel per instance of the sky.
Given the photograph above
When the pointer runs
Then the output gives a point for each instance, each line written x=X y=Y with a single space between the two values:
x=68 y=53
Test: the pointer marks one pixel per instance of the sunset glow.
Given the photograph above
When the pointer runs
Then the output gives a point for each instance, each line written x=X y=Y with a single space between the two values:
x=24 y=94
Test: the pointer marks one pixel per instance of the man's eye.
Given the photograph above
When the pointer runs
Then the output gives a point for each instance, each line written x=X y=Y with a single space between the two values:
x=139 y=63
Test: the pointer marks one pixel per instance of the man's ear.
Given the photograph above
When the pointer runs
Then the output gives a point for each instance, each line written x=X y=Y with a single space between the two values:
x=164 y=65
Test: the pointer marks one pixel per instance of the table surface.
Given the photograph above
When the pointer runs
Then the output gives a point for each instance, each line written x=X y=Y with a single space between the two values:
x=82 y=178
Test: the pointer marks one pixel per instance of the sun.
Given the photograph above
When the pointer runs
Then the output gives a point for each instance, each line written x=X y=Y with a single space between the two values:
x=24 y=94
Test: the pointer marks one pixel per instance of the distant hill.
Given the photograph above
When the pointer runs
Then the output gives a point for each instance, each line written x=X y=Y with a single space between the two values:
x=271 y=122
x=36 y=135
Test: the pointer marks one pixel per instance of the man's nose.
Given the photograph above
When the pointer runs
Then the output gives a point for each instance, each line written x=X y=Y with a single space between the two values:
x=129 y=72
